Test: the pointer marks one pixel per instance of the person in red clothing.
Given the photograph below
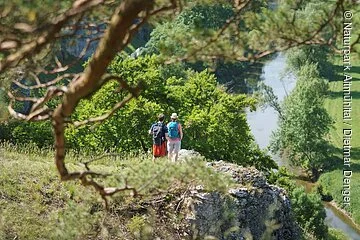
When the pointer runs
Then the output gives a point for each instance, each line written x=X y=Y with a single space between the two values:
x=159 y=132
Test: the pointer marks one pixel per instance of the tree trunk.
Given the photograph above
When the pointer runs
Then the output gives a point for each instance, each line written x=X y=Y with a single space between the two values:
x=115 y=39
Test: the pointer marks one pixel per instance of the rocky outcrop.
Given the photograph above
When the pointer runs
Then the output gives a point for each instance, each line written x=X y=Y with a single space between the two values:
x=253 y=210
x=185 y=154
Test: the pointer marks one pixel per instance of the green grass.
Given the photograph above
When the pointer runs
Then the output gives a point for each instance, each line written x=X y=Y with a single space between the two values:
x=333 y=180
x=35 y=204
x=336 y=235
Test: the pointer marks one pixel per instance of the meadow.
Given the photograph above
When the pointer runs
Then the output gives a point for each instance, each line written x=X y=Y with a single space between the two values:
x=332 y=180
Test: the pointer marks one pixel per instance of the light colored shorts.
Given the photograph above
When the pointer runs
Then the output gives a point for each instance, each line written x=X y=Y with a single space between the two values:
x=173 y=146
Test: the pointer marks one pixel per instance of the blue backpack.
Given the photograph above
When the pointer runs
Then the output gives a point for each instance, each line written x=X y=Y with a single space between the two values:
x=173 y=130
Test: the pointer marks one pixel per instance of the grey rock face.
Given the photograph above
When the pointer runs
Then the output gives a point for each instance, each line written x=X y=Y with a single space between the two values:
x=254 y=210
x=185 y=154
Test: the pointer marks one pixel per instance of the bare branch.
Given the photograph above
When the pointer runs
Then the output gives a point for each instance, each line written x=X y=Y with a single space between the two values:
x=38 y=111
x=14 y=113
x=49 y=83
x=50 y=93
x=79 y=7
x=37 y=80
x=40 y=115
x=165 y=8
x=7 y=44
x=116 y=37
x=22 y=99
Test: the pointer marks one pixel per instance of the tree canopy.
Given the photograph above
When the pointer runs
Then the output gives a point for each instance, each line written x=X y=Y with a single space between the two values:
x=305 y=122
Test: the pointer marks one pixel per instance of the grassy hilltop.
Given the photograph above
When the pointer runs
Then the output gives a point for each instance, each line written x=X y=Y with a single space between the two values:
x=35 y=204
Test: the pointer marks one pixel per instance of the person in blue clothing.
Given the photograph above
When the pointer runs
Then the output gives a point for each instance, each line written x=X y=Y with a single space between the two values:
x=159 y=132
x=174 y=137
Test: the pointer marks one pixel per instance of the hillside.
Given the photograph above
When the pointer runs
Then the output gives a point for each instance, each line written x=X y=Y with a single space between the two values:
x=175 y=201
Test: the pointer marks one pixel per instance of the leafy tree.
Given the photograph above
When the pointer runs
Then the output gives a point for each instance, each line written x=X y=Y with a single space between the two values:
x=214 y=121
x=267 y=97
x=169 y=39
x=309 y=212
x=298 y=57
x=305 y=122
x=307 y=208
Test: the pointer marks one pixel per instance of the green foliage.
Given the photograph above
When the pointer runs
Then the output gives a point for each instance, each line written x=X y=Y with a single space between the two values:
x=165 y=38
x=307 y=208
x=288 y=20
x=238 y=77
x=32 y=11
x=335 y=234
x=174 y=39
x=17 y=132
x=203 y=16
x=34 y=205
x=305 y=122
x=214 y=115
x=282 y=178
x=318 y=55
x=324 y=193
x=267 y=98
x=214 y=121
x=309 y=212
x=140 y=228
x=332 y=180
x=206 y=110
x=127 y=129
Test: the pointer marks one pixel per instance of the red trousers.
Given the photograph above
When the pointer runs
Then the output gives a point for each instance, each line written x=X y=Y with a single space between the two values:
x=159 y=150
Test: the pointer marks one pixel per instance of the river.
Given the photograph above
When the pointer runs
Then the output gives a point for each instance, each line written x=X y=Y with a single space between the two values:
x=264 y=121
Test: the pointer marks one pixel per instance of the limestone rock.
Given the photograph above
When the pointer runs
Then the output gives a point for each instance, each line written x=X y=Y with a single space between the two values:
x=185 y=154
x=254 y=210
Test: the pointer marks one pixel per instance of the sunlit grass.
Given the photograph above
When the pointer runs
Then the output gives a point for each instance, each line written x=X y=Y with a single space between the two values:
x=35 y=204
x=333 y=180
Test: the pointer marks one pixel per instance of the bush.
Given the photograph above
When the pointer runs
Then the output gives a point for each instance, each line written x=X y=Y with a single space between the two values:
x=309 y=212
x=19 y=132
x=308 y=209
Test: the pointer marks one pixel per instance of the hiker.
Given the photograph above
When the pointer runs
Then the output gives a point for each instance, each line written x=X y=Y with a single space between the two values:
x=159 y=132
x=174 y=137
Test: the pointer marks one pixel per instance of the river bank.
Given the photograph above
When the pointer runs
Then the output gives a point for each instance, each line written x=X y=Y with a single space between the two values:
x=333 y=211
x=343 y=214
x=332 y=181
x=264 y=122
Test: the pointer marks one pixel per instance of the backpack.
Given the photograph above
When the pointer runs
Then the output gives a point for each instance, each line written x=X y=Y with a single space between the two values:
x=158 y=134
x=173 y=130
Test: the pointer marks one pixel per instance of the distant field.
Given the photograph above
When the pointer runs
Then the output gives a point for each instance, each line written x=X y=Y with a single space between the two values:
x=333 y=180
